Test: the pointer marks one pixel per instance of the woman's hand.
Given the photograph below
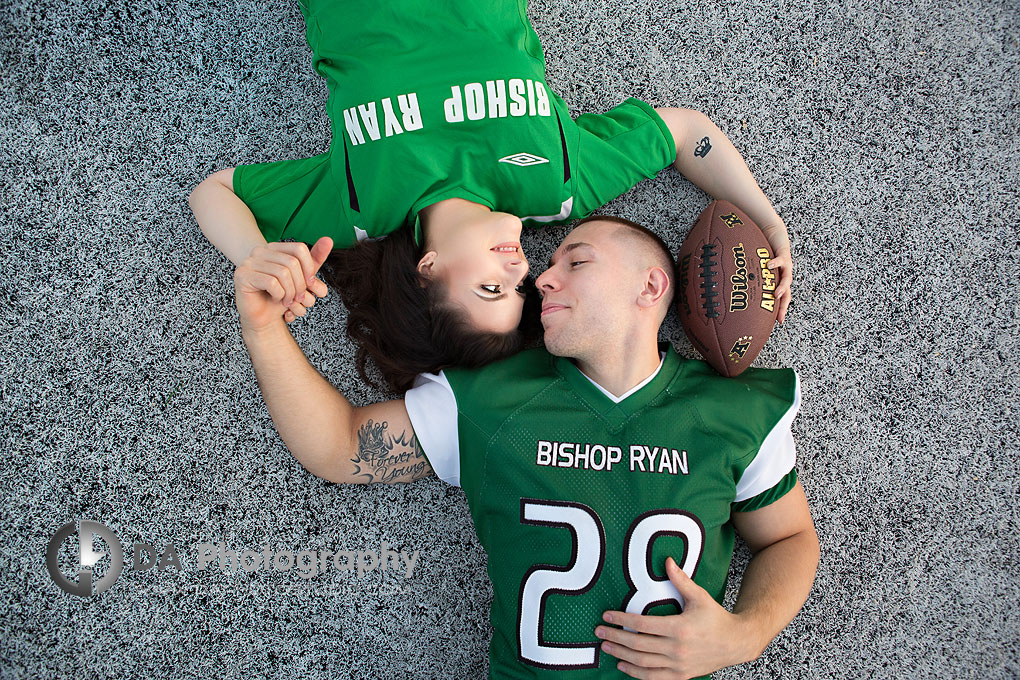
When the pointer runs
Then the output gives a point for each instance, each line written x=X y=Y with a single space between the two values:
x=279 y=280
x=782 y=261
x=707 y=158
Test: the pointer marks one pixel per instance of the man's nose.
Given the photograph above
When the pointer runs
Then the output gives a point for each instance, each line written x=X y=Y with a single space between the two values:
x=546 y=281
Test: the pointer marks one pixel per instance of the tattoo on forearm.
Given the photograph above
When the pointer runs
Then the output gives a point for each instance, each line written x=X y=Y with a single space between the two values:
x=704 y=146
x=381 y=457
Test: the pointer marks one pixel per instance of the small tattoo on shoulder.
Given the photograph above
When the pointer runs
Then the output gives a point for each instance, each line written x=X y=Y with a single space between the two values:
x=704 y=146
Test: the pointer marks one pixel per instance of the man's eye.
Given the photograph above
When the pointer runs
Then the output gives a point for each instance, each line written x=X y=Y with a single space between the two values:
x=491 y=288
x=574 y=264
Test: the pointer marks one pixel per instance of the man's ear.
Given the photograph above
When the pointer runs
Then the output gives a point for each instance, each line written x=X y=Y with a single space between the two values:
x=655 y=288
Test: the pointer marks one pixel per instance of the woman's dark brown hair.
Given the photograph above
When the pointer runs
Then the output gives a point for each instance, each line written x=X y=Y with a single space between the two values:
x=407 y=328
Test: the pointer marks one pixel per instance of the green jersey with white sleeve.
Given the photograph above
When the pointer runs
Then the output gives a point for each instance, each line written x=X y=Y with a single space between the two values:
x=578 y=497
x=448 y=101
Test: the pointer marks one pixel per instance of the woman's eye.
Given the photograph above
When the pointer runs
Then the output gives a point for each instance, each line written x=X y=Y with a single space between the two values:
x=491 y=288
x=519 y=288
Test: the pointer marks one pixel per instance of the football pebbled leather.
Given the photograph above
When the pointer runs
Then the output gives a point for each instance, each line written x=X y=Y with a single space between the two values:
x=725 y=291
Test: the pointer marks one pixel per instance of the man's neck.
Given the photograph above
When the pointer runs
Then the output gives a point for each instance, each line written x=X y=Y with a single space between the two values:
x=620 y=371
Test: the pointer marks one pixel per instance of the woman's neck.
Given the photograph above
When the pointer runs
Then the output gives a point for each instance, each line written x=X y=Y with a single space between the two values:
x=441 y=219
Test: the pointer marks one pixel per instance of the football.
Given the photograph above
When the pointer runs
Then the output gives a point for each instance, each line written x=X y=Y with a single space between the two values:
x=725 y=290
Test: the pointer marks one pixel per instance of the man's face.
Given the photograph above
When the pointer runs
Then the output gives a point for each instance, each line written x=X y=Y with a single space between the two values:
x=588 y=291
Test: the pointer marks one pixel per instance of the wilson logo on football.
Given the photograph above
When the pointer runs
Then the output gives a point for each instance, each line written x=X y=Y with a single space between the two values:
x=523 y=159
x=738 y=293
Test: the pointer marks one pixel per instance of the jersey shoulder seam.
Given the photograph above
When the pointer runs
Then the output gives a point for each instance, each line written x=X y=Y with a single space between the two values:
x=701 y=422
x=557 y=379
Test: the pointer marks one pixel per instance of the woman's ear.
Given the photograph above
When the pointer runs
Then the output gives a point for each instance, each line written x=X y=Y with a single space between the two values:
x=426 y=266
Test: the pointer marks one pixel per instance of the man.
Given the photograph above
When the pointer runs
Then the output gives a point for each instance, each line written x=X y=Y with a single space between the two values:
x=592 y=470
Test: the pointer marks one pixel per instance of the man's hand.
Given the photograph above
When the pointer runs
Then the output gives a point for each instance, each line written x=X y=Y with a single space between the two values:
x=703 y=639
x=279 y=279
x=783 y=261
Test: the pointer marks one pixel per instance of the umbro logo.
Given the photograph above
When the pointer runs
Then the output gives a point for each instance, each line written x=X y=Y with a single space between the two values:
x=523 y=159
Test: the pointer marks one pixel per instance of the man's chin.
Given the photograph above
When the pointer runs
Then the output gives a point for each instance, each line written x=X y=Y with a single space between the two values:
x=555 y=345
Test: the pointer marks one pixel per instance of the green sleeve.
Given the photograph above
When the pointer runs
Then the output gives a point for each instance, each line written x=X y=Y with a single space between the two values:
x=769 y=496
x=616 y=150
x=295 y=199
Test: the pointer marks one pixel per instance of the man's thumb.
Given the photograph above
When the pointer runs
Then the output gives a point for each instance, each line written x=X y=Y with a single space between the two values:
x=679 y=578
x=321 y=250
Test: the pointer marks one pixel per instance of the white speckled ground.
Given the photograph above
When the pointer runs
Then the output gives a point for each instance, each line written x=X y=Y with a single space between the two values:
x=884 y=131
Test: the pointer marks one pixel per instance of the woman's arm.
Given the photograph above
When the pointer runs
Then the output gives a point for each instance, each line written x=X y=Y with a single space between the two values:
x=708 y=159
x=224 y=218
x=230 y=226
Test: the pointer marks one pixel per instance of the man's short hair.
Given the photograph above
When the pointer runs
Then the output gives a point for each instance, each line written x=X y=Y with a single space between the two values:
x=654 y=246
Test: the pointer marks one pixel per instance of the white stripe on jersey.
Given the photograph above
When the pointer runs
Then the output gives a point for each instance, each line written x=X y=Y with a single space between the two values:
x=432 y=407
x=775 y=458
x=565 y=209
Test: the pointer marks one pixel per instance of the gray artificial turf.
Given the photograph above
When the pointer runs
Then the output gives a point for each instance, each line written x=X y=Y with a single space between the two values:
x=884 y=131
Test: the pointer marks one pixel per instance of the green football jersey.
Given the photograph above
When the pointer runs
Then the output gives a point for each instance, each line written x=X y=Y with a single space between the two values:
x=578 y=500
x=445 y=103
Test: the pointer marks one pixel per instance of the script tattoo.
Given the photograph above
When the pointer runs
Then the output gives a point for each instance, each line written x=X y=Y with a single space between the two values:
x=381 y=457
x=704 y=146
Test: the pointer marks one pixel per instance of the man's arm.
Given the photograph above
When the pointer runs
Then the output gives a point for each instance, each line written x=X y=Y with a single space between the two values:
x=224 y=218
x=778 y=578
x=331 y=438
x=706 y=637
x=709 y=160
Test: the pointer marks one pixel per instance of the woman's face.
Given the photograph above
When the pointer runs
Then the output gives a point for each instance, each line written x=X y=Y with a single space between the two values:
x=483 y=267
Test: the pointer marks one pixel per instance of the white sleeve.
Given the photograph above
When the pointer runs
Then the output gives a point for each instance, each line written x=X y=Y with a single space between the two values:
x=775 y=458
x=432 y=407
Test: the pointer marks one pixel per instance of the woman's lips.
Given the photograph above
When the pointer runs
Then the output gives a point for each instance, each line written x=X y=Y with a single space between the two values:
x=509 y=248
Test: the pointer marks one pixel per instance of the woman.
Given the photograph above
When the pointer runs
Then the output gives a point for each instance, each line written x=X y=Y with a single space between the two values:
x=445 y=139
